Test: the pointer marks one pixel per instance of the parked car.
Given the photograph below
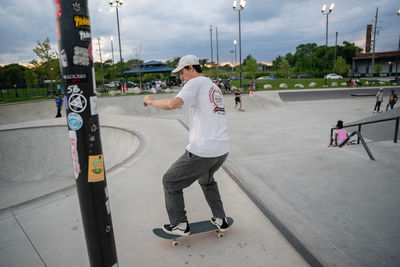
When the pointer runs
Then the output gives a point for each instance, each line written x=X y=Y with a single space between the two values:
x=306 y=76
x=131 y=84
x=301 y=76
x=333 y=76
x=357 y=74
x=266 y=77
x=114 y=84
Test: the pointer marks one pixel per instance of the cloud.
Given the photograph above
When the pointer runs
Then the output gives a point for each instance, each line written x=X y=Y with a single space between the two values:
x=167 y=29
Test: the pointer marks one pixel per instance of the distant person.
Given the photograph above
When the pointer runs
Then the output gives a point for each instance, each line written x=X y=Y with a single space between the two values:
x=238 y=100
x=392 y=100
x=379 y=99
x=340 y=134
x=227 y=87
x=154 y=89
x=59 y=102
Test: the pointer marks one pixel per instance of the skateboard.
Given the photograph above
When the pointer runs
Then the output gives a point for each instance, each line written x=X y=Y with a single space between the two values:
x=195 y=228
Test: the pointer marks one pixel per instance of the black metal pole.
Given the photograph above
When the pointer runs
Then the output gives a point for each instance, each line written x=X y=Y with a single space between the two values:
x=397 y=60
x=326 y=48
x=211 y=46
x=240 y=53
x=396 y=130
x=76 y=64
x=120 y=53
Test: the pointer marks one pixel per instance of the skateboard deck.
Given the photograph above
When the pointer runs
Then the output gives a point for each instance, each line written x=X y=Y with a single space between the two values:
x=195 y=228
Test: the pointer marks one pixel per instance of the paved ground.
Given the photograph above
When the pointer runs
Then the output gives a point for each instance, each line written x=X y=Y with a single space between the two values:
x=342 y=206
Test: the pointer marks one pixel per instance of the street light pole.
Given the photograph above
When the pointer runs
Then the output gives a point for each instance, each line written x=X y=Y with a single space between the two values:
x=232 y=51
x=211 y=46
x=234 y=44
x=241 y=7
x=398 y=52
x=326 y=42
x=117 y=5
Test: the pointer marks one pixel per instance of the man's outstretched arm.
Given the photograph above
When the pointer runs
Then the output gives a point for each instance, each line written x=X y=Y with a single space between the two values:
x=166 y=103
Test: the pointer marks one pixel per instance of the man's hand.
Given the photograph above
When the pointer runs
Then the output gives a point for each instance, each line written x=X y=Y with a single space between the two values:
x=147 y=100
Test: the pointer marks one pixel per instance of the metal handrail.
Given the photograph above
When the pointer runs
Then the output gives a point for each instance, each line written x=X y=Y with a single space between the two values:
x=396 y=128
x=362 y=141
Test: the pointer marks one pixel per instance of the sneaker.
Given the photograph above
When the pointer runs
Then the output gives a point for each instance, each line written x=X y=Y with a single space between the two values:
x=374 y=111
x=222 y=224
x=181 y=229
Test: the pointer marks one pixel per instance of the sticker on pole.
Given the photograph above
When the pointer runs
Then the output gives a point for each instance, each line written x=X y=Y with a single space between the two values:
x=93 y=105
x=95 y=169
x=75 y=121
x=75 y=160
x=77 y=103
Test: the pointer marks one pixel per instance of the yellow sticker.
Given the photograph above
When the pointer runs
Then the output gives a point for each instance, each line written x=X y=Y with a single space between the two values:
x=95 y=169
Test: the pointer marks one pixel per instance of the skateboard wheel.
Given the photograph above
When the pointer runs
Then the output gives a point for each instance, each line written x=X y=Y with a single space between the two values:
x=175 y=243
x=220 y=235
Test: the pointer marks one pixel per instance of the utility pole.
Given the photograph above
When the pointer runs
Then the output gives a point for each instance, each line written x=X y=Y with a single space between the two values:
x=212 y=63
x=76 y=64
x=373 y=47
x=216 y=37
x=334 y=62
x=101 y=62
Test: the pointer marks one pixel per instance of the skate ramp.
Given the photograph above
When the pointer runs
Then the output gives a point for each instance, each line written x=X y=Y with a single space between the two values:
x=37 y=161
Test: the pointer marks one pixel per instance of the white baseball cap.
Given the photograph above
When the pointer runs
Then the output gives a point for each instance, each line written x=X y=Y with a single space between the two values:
x=186 y=61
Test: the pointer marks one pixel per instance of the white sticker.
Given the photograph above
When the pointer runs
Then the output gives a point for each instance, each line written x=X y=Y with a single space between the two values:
x=75 y=160
x=108 y=206
x=94 y=81
x=81 y=56
x=77 y=103
x=93 y=105
x=106 y=191
x=63 y=59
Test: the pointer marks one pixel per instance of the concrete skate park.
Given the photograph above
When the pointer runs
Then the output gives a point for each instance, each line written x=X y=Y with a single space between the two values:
x=295 y=201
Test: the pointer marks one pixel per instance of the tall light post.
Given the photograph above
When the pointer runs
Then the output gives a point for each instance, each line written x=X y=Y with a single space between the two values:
x=398 y=52
x=211 y=46
x=326 y=48
x=234 y=45
x=232 y=51
x=117 y=4
x=112 y=50
x=242 y=4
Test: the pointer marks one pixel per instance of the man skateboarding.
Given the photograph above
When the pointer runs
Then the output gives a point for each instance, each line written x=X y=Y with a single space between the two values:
x=207 y=149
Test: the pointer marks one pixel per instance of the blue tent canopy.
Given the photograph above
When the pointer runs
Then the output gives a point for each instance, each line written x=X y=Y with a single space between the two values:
x=150 y=67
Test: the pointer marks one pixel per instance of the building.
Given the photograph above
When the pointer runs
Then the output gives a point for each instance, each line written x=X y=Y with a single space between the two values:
x=362 y=63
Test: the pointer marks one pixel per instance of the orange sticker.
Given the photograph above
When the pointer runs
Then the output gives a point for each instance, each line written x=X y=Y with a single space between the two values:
x=95 y=169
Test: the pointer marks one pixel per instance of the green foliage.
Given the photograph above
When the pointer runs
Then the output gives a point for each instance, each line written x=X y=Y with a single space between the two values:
x=378 y=69
x=284 y=68
x=250 y=66
x=311 y=59
x=12 y=74
x=341 y=66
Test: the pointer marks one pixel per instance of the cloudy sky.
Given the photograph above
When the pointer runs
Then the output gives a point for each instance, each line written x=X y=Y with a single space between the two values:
x=164 y=29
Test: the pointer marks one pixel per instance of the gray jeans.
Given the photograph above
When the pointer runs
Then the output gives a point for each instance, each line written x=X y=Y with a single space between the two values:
x=186 y=170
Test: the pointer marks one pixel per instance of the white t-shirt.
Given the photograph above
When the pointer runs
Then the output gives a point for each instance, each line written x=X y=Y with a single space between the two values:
x=208 y=135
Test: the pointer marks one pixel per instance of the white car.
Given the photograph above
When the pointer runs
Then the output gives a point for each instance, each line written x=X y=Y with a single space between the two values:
x=333 y=76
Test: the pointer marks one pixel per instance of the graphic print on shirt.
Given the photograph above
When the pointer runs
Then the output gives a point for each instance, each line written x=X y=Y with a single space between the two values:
x=215 y=96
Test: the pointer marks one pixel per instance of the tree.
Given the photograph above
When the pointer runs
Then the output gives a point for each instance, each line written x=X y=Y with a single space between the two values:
x=47 y=67
x=250 y=66
x=378 y=69
x=341 y=66
x=12 y=74
x=284 y=68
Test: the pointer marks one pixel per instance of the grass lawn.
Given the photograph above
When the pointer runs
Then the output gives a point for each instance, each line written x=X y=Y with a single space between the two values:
x=320 y=82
